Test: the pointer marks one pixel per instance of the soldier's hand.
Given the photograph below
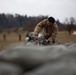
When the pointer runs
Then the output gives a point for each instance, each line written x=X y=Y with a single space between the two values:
x=47 y=41
x=35 y=37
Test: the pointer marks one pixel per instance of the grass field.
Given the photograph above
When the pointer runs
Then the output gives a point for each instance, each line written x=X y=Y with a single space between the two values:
x=11 y=38
x=63 y=37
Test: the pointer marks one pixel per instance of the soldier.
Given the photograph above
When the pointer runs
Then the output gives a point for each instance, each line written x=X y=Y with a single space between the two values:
x=49 y=27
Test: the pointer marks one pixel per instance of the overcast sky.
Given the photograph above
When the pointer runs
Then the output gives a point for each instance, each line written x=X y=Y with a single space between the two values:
x=59 y=9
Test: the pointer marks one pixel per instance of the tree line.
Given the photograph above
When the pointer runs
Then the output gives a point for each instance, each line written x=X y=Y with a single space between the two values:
x=10 y=22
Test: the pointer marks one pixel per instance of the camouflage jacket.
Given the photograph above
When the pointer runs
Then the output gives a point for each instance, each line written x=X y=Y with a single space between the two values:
x=47 y=31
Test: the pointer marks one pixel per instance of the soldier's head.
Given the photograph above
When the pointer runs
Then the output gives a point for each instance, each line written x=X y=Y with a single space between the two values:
x=50 y=21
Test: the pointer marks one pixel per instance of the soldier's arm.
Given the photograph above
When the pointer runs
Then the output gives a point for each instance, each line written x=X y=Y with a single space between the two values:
x=38 y=28
x=54 y=34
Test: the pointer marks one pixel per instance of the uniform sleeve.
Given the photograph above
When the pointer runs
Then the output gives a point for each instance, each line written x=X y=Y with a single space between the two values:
x=54 y=34
x=39 y=27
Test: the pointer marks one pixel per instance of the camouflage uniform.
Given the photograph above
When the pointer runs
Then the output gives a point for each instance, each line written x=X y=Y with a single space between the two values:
x=48 y=31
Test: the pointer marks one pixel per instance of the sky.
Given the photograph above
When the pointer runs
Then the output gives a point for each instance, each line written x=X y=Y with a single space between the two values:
x=59 y=9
